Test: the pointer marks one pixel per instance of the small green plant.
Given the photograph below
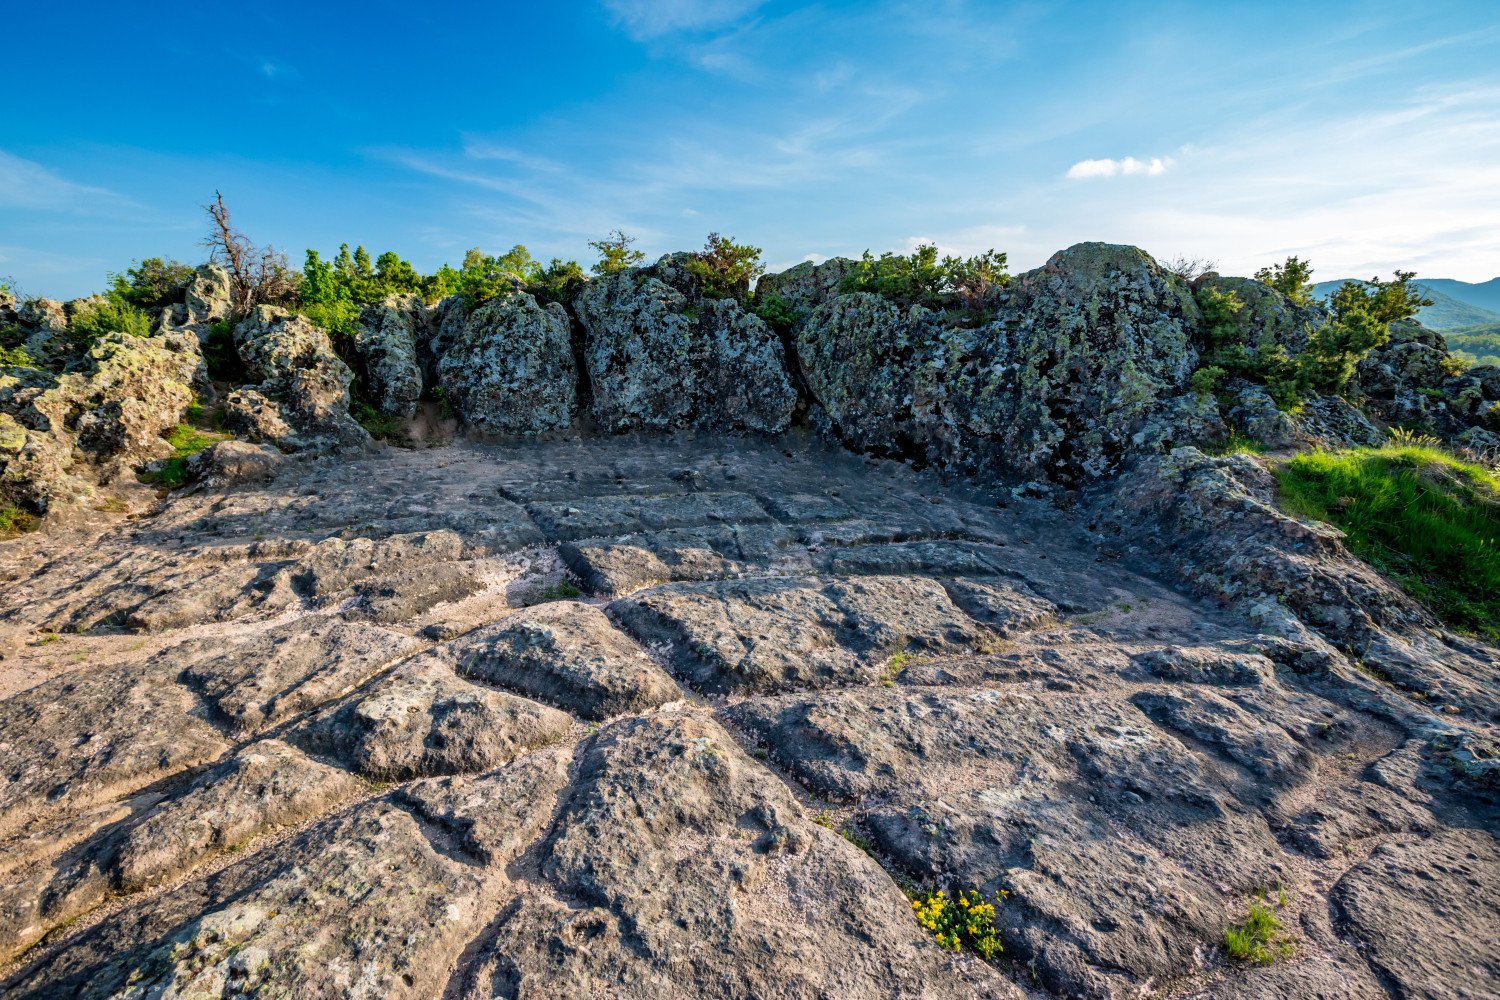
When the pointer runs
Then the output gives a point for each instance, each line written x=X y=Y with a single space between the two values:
x=48 y=638
x=858 y=839
x=1258 y=939
x=1239 y=444
x=111 y=315
x=725 y=269
x=378 y=425
x=1205 y=381
x=893 y=668
x=776 y=311
x=563 y=590
x=615 y=253
x=15 y=521
x=824 y=818
x=965 y=921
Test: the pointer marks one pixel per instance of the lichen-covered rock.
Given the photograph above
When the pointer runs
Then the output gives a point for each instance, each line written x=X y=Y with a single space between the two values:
x=510 y=368
x=807 y=285
x=295 y=364
x=386 y=342
x=96 y=423
x=1061 y=384
x=661 y=356
x=867 y=362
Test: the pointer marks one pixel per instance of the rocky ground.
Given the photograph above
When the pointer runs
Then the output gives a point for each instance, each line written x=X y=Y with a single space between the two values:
x=681 y=717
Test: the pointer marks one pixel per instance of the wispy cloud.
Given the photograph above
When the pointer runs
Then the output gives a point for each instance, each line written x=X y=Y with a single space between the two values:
x=647 y=19
x=1129 y=165
x=271 y=69
x=28 y=185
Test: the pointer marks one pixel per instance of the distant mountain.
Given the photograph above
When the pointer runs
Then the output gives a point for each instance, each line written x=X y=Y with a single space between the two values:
x=1484 y=294
x=1455 y=304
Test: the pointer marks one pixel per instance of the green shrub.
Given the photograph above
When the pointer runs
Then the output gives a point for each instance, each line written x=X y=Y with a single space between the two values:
x=1257 y=939
x=776 y=311
x=964 y=922
x=1292 y=279
x=14 y=521
x=920 y=278
x=152 y=282
x=1206 y=381
x=724 y=269
x=615 y=254
x=15 y=357
x=110 y=315
x=559 y=281
x=1424 y=517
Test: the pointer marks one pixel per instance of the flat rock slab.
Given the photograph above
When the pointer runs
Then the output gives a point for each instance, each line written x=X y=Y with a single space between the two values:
x=753 y=636
x=316 y=736
x=567 y=654
x=88 y=736
x=423 y=720
x=263 y=678
x=1427 y=914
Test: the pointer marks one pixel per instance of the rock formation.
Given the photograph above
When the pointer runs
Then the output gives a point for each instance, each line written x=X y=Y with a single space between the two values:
x=716 y=640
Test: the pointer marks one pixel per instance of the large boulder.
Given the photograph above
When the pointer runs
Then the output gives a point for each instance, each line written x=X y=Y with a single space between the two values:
x=1073 y=372
x=660 y=355
x=386 y=342
x=510 y=368
x=64 y=434
x=295 y=365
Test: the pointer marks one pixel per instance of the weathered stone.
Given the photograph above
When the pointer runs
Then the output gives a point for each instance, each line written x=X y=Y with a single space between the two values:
x=234 y=463
x=421 y=721
x=510 y=370
x=662 y=357
x=672 y=838
x=259 y=679
x=773 y=634
x=386 y=341
x=295 y=364
x=1425 y=914
x=565 y=654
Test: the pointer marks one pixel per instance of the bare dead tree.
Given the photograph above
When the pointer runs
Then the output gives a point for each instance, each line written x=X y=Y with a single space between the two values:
x=1189 y=269
x=257 y=275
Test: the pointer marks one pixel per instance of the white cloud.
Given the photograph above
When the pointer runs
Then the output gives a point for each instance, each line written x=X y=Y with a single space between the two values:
x=644 y=19
x=1085 y=169
x=28 y=185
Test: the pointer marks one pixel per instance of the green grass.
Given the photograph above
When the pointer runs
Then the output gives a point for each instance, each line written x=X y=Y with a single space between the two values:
x=1239 y=444
x=380 y=426
x=15 y=521
x=563 y=591
x=186 y=441
x=1418 y=514
x=1257 y=939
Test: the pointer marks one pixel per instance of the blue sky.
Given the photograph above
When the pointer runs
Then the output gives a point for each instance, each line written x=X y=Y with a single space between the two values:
x=1365 y=136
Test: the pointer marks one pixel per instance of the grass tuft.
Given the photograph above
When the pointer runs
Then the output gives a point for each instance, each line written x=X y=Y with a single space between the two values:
x=1258 y=939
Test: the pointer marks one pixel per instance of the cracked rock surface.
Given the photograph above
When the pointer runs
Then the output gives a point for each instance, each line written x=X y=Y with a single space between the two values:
x=683 y=716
